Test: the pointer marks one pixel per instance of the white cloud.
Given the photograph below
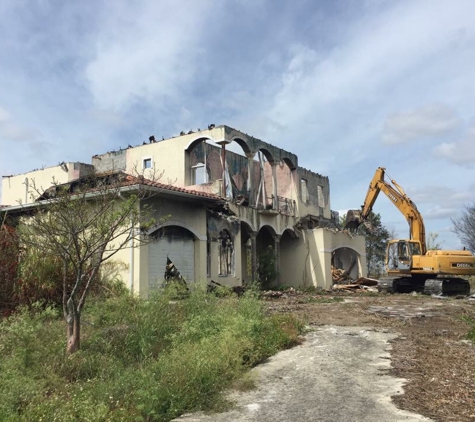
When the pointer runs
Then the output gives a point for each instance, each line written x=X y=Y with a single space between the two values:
x=461 y=153
x=12 y=131
x=447 y=195
x=108 y=117
x=147 y=51
x=381 y=48
x=432 y=120
x=4 y=115
x=338 y=96
x=440 y=212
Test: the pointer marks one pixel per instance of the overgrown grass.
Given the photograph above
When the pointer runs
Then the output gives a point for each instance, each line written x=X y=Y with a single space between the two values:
x=471 y=332
x=139 y=361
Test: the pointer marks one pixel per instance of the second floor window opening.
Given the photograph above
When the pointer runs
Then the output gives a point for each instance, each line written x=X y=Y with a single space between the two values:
x=304 y=190
x=199 y=174
x=147 y=163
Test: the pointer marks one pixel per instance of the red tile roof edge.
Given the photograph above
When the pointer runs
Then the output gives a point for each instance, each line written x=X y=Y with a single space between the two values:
x=137 y=180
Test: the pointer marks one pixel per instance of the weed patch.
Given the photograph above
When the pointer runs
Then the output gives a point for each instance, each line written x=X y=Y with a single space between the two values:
x=471 y=332
x=140 y=360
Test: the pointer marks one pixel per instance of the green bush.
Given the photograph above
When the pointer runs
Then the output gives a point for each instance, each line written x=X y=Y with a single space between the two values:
x=266 y=267
x=140 y=360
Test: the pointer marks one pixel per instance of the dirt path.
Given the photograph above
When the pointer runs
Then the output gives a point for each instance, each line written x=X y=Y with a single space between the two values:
x=429 y=350
x=338 y=374
x=364 y=351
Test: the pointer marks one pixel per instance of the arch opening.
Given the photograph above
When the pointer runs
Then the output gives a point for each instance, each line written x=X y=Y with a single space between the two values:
x=267 y=257
x=345 y=265
x=171 y=244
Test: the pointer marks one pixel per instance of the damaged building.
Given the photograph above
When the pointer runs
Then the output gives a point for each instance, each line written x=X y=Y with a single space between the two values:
x=231 y=202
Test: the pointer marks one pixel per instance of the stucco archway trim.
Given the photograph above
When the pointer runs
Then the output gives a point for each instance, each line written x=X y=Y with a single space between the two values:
x=179 y=223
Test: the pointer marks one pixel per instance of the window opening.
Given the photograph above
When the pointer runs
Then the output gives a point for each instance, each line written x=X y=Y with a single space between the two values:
x=199 y=174
x=393 y=256
x=415 y=248
x=226 y=253
x=304 y=190
x=321 y=197
x=147 y=163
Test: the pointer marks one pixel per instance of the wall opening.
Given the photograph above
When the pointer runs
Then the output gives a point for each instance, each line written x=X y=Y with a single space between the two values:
x=346 y=259
x=304 y=191
x=226 y=253
x=199 y=174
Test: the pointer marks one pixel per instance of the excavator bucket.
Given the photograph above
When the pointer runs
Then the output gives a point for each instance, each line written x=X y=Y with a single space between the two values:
x=353 y=220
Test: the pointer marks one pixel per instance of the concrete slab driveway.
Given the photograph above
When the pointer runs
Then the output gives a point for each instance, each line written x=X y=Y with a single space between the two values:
x=339 y=374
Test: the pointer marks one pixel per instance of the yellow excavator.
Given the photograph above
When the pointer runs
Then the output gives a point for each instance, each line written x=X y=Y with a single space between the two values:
x=410 y=266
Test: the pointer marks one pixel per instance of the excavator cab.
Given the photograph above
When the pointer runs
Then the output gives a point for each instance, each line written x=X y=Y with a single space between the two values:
x=399 y=254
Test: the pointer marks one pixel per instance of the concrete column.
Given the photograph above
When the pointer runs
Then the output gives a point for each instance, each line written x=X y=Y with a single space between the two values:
x=200 y=260
x=274 y=186
x=223 y=163
x=277 y=257
x=250 y=173
x=254 y=256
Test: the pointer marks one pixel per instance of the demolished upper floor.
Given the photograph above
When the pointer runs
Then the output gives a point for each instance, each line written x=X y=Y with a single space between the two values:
x=220 y=160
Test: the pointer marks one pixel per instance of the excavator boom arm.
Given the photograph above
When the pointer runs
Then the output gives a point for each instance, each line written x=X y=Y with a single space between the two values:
x=402 y=202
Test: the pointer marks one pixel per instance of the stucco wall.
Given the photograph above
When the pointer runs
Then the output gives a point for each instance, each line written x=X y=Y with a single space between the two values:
x=168 y=156
x=306 y=261
x=174 y=212
x=22 y=188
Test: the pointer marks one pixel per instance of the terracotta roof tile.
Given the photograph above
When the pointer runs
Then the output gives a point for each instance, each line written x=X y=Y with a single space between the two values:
x=133 y=180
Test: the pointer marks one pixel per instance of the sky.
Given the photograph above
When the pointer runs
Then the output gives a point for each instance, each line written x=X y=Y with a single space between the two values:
x=348 y=86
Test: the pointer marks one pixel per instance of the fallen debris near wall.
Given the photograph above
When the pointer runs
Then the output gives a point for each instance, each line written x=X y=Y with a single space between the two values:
x=364 y=283
x=214 y=285
x=339 y=275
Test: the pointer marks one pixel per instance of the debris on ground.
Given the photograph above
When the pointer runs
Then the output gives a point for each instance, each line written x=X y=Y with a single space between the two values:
x=339 y=275
x=276 y=294
x=361 y=283
x=402 y=313
x=214 y=285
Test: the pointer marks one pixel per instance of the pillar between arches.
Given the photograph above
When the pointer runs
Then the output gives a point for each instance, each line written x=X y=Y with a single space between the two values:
x=254 y=256
x=277 y=238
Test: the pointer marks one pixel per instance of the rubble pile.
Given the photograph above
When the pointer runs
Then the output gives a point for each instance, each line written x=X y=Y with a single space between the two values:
x=339 y=275
x=342 y=281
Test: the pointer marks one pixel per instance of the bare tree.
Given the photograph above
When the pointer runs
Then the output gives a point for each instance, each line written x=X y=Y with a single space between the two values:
x=464 y=227
x=85 y=223
x=433 y=242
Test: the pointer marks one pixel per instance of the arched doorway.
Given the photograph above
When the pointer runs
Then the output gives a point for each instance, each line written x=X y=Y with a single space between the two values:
x=289 y=258
x=175 y=243
x=267 y=257
x=346 y=259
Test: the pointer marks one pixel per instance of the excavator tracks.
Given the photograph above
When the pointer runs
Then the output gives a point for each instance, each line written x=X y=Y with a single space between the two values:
x=434 y=286
x=400 y=285
x=447 y=286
